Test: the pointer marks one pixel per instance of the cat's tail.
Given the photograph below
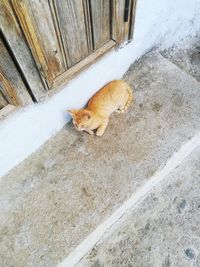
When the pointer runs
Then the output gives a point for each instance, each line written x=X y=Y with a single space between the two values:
x=130 y=99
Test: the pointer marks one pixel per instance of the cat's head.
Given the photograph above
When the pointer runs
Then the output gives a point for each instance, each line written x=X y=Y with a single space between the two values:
x=80 y=118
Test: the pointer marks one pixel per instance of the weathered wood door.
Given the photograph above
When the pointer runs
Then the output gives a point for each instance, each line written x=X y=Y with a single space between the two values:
x=63 y=35
x=12 y=88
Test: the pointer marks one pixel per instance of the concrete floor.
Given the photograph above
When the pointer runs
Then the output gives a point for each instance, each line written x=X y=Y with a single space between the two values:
x=186 y=55
x=61 y=193
x=162 y=231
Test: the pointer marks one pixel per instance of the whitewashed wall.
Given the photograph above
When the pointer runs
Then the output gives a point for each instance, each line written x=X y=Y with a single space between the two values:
x=157 y=22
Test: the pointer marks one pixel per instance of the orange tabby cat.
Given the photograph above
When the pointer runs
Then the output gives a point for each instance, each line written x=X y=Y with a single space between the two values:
x=115 y=96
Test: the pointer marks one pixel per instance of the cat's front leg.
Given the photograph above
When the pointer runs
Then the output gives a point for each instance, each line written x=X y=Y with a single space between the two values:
x=89 y=131
x=102 y=127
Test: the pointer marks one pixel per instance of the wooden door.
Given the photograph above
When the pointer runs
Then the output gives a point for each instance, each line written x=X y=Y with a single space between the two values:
x=12 y=88
x=63 y=36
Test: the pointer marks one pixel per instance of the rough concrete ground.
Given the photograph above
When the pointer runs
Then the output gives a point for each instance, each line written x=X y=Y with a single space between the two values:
x=162 y=231
x=186 y=55
x=61 y=193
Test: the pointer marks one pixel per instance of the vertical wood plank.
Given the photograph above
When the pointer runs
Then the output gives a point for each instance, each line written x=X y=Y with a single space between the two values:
x=58 y=32
x=132 y=18
x=88 y=24
x=100 y=12
x=72 y=22
x=37 y=23
x=118 y=21
x=11 y=84
x=122 y=31
x=20 y=50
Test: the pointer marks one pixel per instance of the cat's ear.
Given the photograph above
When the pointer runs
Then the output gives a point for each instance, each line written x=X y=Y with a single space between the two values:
x=72 y=112
x=87 y=115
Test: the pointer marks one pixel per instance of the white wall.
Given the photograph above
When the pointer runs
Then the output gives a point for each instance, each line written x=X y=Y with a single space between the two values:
x=157 y=21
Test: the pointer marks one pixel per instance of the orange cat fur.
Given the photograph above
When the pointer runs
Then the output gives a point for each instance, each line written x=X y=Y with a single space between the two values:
x=115 y=96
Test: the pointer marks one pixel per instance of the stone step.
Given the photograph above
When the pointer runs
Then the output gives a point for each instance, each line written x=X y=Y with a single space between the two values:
x=186 y=55
x=62 y=192
x=163 y=230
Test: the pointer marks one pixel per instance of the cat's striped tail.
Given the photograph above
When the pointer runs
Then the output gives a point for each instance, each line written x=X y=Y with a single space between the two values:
x=130 y=99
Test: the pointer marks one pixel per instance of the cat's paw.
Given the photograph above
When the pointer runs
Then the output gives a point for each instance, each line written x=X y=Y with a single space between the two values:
x=98 y=133
x=90 y=132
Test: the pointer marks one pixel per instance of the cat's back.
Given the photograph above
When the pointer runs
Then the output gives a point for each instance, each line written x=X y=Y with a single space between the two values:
x=109 y=91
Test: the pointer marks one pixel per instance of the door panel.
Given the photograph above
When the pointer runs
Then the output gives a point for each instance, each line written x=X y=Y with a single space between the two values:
x=101 y=18
x=37 y=23
x=12 y=87
x=20 y=49
x=72 y=20
x=121 y=29
x=132 y=18
x=118 y=22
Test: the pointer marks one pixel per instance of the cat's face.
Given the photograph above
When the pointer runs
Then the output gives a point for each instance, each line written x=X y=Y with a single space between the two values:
x=81 y=118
